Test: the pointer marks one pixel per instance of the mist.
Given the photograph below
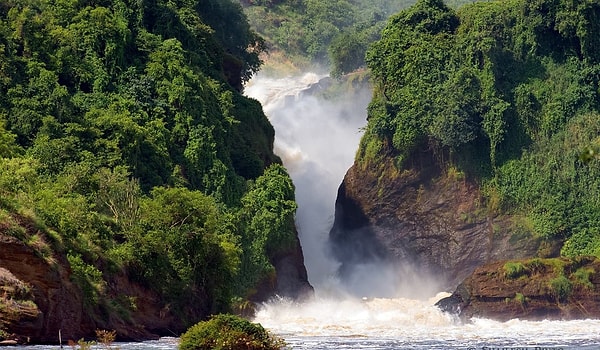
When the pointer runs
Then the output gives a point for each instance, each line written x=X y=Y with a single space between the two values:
x=317 y=139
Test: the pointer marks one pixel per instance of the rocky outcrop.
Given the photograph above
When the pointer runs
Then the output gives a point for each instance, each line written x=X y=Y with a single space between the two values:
x=40 y=300
x=534 y=289
x=425 y=215
x=290 y=279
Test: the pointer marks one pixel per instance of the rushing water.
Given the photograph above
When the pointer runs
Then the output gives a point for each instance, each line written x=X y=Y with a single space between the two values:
x=316 y=139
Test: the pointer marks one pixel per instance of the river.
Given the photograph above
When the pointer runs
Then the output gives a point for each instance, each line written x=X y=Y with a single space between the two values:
x=317 y=140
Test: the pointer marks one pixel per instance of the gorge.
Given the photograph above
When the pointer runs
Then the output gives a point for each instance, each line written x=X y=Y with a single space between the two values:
x=378 y=304
x=141 y=191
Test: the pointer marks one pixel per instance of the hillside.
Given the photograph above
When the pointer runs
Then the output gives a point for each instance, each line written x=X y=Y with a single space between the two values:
x=334 y=35
x=472 y=152
x=138 y=187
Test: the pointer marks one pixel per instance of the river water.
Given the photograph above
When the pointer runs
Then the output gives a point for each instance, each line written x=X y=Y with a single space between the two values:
x=316 y=140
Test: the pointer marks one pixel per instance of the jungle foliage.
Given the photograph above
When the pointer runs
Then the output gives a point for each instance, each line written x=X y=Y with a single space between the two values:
x=229 y=332
x=333 y=33
x=507 y=91
x=124 y=137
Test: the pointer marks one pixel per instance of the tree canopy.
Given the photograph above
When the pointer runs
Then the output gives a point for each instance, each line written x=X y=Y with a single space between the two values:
x=124 y=135
x=332 y=33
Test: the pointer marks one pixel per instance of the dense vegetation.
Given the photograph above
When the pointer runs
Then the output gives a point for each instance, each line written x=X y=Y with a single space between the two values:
x=335 y=34
x=508 y=92
x=228 y=332
x=126 y=142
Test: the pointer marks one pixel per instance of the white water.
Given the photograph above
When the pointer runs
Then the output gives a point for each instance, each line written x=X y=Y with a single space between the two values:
x=317 y=140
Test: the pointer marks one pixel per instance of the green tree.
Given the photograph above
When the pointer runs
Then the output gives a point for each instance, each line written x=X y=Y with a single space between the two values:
x=266 y=224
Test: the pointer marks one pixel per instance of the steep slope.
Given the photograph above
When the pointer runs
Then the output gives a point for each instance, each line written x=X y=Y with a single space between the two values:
x=137 y=183
x=472 y=149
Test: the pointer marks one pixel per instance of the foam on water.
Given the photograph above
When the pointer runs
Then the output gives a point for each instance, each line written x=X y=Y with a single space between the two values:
x=410 y=321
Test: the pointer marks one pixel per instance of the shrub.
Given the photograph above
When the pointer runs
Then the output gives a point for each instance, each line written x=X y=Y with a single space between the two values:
x=583 y=276
x=514 y=270
x=561 y=287
x=228 y=332
x=520 y=298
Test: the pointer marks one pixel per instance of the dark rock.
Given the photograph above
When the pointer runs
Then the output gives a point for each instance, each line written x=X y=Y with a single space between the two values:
x=290 y=279
x=452 y=304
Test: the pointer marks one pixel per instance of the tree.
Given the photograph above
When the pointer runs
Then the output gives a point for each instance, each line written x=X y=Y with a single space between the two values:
x=266 y=222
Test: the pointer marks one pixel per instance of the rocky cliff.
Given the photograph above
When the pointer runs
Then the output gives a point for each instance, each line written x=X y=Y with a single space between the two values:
x=534 y=289
x=38 y=300
x=431 y=217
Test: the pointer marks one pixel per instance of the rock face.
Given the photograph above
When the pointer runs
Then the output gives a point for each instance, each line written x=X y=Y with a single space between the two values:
x=533 y=289
x=432 y=218
x=40 y=300
x=53 y=302
x=290 y=279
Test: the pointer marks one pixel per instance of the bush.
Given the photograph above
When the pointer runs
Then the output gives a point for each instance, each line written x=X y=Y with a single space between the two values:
x=521 y=299
x=514 y=270
x=228 y=332
x=561 y=287
x=583 y=277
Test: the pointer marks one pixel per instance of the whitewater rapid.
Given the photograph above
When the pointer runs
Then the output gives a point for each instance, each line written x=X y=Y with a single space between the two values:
x=317 y=140
x=413 y=324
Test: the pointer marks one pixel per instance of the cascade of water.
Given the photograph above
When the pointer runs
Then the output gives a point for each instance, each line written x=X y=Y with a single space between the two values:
x=316 y=139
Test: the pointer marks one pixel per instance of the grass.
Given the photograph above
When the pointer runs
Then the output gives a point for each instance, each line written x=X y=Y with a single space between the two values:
x=514 y=270
x=583 y=277
x=561 y=288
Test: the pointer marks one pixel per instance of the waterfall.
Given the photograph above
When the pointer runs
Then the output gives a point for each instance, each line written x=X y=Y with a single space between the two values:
x=317 y=139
